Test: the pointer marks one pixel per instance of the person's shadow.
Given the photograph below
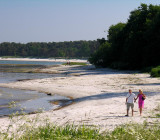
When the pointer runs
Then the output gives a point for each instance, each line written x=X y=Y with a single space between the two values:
x=109 y=95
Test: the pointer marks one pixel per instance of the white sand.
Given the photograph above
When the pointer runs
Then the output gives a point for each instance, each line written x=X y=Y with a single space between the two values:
x=47 y=60
x=99 y=94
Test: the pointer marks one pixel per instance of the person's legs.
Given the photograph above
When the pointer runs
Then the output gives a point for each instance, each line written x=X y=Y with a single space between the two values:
x=127 y=112
x=132 y=112
x=140 y=110
x=128 y=106
x=132 y=106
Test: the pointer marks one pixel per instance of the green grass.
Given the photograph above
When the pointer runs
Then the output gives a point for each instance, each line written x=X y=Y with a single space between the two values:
x=143 y=131
x=136 y=131
x=62 y=133
x=158 y=115
x=76 y=63
x=155 y=72
x=157 y=111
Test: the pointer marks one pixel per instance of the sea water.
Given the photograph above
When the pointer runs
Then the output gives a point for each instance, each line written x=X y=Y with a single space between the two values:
x=29 y=101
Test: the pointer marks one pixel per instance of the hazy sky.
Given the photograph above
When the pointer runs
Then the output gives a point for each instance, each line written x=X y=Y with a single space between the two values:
x=62 y=20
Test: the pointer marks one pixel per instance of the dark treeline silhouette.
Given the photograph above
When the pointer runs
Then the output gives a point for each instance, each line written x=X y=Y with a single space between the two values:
x=132 y=45
x=53 y=49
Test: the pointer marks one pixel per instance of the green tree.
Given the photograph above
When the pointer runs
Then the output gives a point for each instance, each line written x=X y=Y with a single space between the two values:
x=136 y=44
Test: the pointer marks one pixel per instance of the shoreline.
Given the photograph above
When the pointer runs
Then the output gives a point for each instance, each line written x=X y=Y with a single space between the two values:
x=99 y=95
x=47 y=60
x=61 y=104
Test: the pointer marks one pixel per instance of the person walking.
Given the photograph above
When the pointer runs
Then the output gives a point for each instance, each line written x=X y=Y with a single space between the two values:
x=141 y=97
x=130 y=101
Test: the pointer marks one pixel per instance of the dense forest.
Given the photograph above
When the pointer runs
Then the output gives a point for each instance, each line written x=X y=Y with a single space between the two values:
x=132 y=45
x=75 y=49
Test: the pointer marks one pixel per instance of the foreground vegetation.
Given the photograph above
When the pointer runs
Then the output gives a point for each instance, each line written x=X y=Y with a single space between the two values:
x=143 y=131
x=134 y=44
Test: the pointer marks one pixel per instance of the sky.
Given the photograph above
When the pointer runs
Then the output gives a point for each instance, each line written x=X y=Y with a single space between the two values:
x=24 y=21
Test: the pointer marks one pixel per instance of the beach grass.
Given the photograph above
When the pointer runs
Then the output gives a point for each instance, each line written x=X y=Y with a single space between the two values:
x=157 y=110
x=76 y=63
x=67 y=132
x=133 y=131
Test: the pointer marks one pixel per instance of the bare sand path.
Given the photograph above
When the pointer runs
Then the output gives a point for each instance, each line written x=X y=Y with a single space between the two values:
x=99 y=95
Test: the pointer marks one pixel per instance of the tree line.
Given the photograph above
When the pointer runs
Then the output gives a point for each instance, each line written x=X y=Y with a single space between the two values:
x=134 y=44
x=71 y=49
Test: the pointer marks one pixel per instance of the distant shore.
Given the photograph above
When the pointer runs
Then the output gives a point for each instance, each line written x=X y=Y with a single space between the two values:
x=51 y=60
x=99 y=95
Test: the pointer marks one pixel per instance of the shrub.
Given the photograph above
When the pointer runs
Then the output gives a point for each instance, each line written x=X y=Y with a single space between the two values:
x=155 y=72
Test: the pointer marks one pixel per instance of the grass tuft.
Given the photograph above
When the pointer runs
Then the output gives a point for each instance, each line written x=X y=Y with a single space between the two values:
x=66 y=132
x=75 y=63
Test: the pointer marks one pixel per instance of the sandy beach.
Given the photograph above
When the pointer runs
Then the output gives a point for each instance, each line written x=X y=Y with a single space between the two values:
x=47 y=60
x=98 y=94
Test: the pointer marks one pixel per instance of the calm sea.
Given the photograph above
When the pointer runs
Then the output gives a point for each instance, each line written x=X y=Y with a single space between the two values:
x=30 y=62
x=30 y=101
x=6 y=77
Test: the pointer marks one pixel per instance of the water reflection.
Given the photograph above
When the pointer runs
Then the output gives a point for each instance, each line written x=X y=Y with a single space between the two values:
x=30 y=100
x=12 y=77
